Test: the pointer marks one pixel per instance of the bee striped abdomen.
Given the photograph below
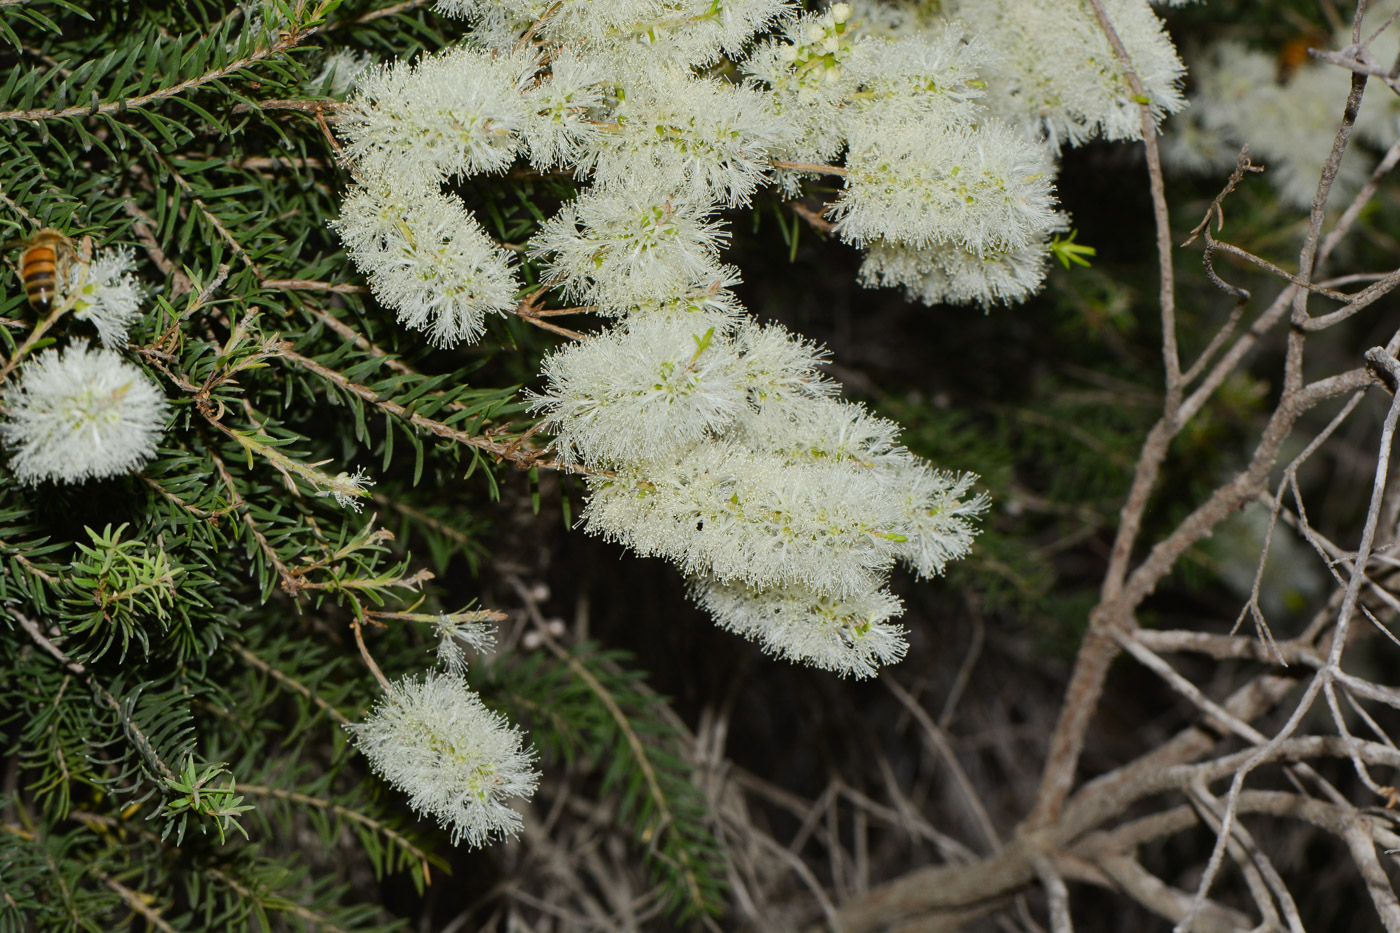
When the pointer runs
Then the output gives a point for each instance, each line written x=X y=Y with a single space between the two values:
x=39 y=267
x=40 y=270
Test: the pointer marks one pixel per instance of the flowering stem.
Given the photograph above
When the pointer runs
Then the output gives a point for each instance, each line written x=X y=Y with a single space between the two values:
x=343 y=486
x=818 y=168
x=369 y=661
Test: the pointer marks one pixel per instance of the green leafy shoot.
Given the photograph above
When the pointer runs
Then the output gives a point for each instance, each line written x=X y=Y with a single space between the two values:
x=1069 y=252
x=198 y=797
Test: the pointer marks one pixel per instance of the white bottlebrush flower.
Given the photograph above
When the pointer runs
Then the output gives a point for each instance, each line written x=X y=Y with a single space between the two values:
x=106 y=294
x=457 y=761
x=754 y=517
x=985 y=188
x=931 y=73
x=459 y=112
x=426 y=258
x=699 y=31
x=827 y=430
x=803 y=70
x=938 y=516
x=851 y=635
x=1055 y=73
x=599 y=23
x=950 y=273
x=889 y=18
x=707 y=298
x=559 y=110
x=80 y=414
x=701 y=139
x=627 y=247
x=496 y=24
x=779 y=369
x=640 y=392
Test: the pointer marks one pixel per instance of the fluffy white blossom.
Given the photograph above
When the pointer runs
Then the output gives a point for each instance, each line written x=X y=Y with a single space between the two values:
x=640 y=392
x=1054 y=71
x=459 y=762
x=699 y=31
x=630 y=246
x=778 y=368
x=936 y=523
x=709 y=297
x=661 y=383
x=601 y=22
x=106 y=294
x=560 y=108
x=850 y=635
x=340 y=71
x=891 y=18
x=819 y=429
x=426 y=258
x=803 y=71
x=349 y=488
x=700 y=139
x=952 y=273
x=754 y=517
x=458 y=112
x=985 y=188
x=935 y=73
x=690 y=31
x=497 y=25
x=712 y=441
x=80 y=414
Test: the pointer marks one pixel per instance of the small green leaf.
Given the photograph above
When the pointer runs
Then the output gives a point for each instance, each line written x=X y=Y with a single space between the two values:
x=1069 y=252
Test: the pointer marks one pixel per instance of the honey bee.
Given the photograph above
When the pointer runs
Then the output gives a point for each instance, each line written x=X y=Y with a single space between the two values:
x=45 y=262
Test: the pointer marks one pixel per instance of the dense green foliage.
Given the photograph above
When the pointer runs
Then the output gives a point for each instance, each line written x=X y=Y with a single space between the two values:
x=179 y=644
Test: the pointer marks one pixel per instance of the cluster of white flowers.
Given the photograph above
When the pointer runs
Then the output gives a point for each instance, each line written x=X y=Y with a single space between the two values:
x=80 y=413
x=1286 y=111
x=457 y=760
x=709 y=439
x=950 y=116
x=718 y=445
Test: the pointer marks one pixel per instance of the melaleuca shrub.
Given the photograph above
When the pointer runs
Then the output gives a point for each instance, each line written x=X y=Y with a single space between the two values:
x=704 y=437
